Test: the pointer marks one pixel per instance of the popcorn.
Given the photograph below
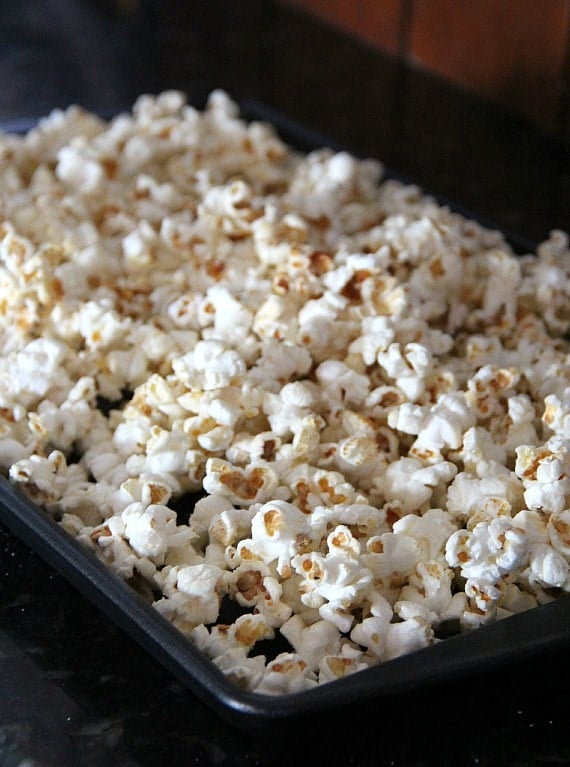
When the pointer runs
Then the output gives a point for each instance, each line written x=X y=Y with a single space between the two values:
x=258 y=588
x=252 y=485
x=408 y=367
x=35 y=372
x=559 y=531
x=47 y=479
x=148 y=528
x=234 y=641
x=288 y=401
x=236 y=666
x=78 y=167
x=191 y=596
x=501 y=288
x=286 y=409
x=408 y=636
x=428 y=594
x=392 y=556
x=412 y=484
x=288 y=673
x=548 y=567
x=231 y=319
x=377 y=335
x=348 y=661
x=209 y=366
x=278 y=530
x=545 y=473
x=310 y=642
x=556 y=415
x=342 y=384
x=431 y=531
x=468 y=495
x=489 y=552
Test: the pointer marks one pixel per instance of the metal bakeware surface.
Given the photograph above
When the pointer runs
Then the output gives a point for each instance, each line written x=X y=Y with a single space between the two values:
x=517 y=638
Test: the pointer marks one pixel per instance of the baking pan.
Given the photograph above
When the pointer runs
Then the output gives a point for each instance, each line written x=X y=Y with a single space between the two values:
x=517 y=638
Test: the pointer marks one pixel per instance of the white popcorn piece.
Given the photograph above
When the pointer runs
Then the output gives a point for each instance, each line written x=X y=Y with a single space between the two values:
x=412 y=484
x=11 y=451
x=480 y=452
x=286 y=409
x=148 y=528
x=484 y=597
x=244 y=487
x=312 y=641
x=468 y=495
x=232 y=320
x=35 y=372
x=236 y=666
x=210 y=366
x=229 y=525
x=344 y=581
x=556 y=415
x=229 y=646
x=408 y=367
x=247 y=630
x=559 y=531
x=534 y=525
x=514 y=600
x=521 y=416
x=348 y=661
x=488 y=552
x=428 y=594
x=253 y=584
x=545 y=281
x=192 y=597
x=371 y=634
x=392 y=556
x=326 y=181
x=545 y=473
x=109 y=545
x=79 y=168
x=287 y=673
x=316 y=489
x=377 y=335
x=406 y=637
x=360 y=458
x=280 y=362
x=501 y=287
x=431 y=531
x=47 y=479
x=548 y=566
x=342 y=384
x=278 y=531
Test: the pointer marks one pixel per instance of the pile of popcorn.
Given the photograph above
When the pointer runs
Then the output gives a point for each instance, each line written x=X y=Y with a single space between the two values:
x=369 y=393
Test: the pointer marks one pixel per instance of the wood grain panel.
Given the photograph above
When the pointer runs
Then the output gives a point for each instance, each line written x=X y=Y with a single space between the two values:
x=511 y=51
x=375 y=21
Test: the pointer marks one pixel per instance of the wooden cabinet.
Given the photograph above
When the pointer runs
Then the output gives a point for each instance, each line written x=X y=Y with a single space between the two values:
x=515 y=52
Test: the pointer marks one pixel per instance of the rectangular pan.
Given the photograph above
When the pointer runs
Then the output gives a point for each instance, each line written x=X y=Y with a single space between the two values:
x=518 y=638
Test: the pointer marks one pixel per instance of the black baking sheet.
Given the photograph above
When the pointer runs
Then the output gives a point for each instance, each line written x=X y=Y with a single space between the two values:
x=520 y=637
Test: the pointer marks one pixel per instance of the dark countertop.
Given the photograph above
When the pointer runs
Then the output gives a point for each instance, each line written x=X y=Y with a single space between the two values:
x=74 y=690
